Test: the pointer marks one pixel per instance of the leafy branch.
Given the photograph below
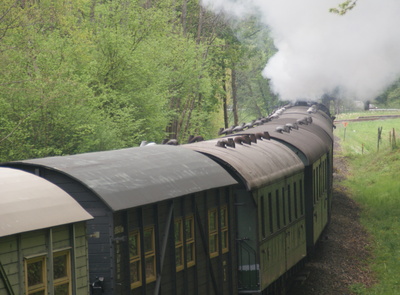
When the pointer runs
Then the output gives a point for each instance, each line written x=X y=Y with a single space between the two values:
x=344 y=7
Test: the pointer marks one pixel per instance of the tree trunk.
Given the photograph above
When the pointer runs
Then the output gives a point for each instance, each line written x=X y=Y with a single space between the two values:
x=184 y=17
x=255 y=100
x=200 y=25
x=225 y=105
x=234 y=96
x=147 y=4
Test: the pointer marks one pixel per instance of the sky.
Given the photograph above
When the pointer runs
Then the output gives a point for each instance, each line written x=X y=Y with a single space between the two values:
x=320 y=52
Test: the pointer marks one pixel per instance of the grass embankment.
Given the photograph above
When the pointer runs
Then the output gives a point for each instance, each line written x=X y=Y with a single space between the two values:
x=374 y=182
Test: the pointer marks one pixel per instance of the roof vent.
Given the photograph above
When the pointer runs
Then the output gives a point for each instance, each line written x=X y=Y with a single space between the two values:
x=145 y=143
x=258 y=122
x=312 y=109
x=274 y=116
x=239 y=128
x=243 y=139
x=262 y=136
x=253 y=138
x=170 y=141
x=193 y=138
x=292 y=126
x=282 y=129
x=303 y=121
x=226 y=131
x=248 y=125
x=226 y=142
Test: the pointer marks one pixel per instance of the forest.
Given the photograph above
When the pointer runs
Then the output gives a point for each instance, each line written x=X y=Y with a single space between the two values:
x=89 y=75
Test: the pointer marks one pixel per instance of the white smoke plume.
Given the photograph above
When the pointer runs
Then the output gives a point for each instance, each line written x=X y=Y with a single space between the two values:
x=318 y=51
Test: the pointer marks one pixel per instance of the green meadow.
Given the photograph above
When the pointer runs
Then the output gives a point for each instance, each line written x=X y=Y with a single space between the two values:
x=372 y=150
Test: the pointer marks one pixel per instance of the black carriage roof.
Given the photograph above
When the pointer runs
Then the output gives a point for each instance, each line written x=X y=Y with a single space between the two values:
x=321 y=120
x=133 y=177
x=313 y=139
x=257 y=165
x=29 y=202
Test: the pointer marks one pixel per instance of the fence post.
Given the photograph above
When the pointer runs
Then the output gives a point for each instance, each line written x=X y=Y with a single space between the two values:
x=379 y=135
x=394 y=144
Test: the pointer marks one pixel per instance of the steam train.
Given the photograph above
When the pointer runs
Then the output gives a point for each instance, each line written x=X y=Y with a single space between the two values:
x=238 y=214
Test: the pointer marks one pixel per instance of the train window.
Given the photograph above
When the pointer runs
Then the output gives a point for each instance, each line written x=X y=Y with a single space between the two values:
x=314 y=186
x=178 y=230
x=150 y=254
x=190 y=242
x=135 y=256
x=278 y=217
x=62 y=272
x=224 y=229
x=319 y=181
x=184 y=231
x=134 y=259
x=262 y=205
x=289 y=200
x=213 y=232
x=35 y=275
x=271 y=227
x=301 y=198
x=325 y=174
x=296 y=207
x=284 y=207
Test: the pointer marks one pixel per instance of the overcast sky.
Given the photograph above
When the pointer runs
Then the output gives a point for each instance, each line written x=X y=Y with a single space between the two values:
x=319 y=51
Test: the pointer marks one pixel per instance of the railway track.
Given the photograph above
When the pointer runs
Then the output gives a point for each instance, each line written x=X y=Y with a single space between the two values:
x=369 y=118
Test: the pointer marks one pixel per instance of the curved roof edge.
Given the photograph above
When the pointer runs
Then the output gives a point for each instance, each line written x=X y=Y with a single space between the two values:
x=29 y=202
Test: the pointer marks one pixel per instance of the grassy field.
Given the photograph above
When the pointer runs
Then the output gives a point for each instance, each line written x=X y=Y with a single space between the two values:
x=374 y=182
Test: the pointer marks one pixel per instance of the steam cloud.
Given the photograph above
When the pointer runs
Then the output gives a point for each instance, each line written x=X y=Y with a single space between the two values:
x=320 y=52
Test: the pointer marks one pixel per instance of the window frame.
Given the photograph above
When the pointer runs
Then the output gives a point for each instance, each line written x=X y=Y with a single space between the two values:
x=270 y=213
x=179 y=243
x=190 y=241
x=213 y=233
x=44 y=285
x=150 y=254
x=224 y=229
x=186 y=240
x=37 y=287
x=262 y=217
x=134 y=259
x=66 y=279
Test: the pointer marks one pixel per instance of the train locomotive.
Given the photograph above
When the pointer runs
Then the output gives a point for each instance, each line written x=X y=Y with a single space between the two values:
x=238 y=214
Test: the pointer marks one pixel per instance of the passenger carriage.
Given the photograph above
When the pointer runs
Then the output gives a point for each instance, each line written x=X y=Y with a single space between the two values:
x=269 y=204
x=163 y=218
x=43 y=243
x=308 y=132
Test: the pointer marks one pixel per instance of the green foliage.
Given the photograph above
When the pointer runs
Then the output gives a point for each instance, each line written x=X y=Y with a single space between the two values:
x=81 y=75
x=255 y=96
x=391 y=97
